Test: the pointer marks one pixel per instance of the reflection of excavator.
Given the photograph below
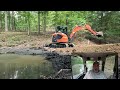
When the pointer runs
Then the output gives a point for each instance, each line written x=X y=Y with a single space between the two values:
x=60 y=39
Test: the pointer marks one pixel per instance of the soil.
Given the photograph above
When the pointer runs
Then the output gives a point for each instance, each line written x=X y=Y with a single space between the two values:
x=89 y=48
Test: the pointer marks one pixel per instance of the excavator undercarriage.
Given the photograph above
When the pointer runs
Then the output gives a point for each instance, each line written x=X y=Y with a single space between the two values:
x=60 y=45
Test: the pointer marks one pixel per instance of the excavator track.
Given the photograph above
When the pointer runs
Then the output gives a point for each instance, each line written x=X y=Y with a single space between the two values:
x=60 y=45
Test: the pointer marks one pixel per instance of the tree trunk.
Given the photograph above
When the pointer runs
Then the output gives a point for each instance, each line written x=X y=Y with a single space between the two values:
x=14 y=24
x=6 y=25
x=101 y=18
x=56 y=16
x=12 y=20
x=44 y=21
x=1 y=23
x=38 y=22
x=9 y=20
x=26 y=28
x=0 y=20
x=28 y=24
x=66 y=20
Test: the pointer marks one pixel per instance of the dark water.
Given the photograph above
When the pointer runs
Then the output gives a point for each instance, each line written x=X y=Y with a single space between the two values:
x=13 y=66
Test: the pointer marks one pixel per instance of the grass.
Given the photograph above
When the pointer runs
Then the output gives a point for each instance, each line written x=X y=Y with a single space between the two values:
x=12 y=39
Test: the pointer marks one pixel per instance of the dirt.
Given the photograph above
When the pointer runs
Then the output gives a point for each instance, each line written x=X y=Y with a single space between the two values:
x=22 y=43
x=89 y=48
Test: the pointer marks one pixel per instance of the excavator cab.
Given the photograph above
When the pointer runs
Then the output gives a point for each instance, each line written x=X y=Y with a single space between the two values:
x=108 y=64
x=63 y=29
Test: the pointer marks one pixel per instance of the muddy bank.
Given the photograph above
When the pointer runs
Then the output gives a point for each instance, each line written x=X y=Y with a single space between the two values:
x=24 y=51
x=59 y=61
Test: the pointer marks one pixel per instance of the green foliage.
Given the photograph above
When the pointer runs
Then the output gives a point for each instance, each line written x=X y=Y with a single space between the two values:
x=77 y=60
x=106 y=21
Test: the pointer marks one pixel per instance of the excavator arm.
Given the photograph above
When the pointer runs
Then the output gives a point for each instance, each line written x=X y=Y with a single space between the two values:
x=86 y=27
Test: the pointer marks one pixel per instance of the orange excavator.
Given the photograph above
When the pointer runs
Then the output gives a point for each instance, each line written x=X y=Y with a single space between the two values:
x=61 y=39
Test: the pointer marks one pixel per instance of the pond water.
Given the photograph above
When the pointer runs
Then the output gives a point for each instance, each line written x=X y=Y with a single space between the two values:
x=14 y=66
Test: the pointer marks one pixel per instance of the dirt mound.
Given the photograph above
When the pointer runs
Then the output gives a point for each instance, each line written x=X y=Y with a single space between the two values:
x=89 y=48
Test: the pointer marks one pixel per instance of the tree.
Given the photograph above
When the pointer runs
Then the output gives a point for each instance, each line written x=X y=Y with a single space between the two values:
x=28 y=21
x=29 y=24
x=9 y=19
x=6 y=25
x=44 y=20
x=38 y=22
x=0 y=20
x=14 y=24
x=56 y=18
x=13 y=21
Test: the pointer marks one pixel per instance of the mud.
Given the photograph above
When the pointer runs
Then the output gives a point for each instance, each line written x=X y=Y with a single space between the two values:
x=24 y=51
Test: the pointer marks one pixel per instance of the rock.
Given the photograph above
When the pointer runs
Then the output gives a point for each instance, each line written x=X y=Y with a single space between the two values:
x=73 y=50
x=61 y=51
x=67 y=51
x=108 y=49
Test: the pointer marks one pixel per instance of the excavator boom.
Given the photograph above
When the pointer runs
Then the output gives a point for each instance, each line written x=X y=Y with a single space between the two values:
x=78 y=28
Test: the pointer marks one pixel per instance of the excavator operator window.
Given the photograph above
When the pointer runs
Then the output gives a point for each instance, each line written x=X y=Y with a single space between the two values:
x=109 y=66
x=63 y=29
x=58 y=36
x=77 y=66
x=89 y=65
x=54 y=39
x=58 y=28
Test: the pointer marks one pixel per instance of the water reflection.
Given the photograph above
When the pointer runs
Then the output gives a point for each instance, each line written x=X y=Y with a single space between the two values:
x=13 y=66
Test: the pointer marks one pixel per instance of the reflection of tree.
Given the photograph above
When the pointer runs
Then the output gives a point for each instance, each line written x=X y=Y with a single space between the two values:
x=25 y=71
